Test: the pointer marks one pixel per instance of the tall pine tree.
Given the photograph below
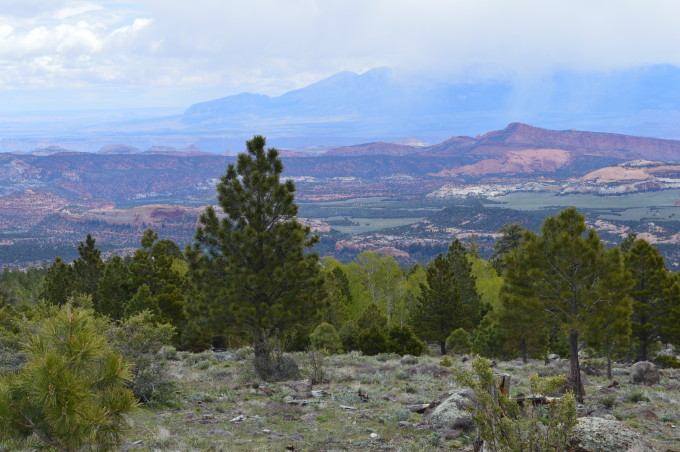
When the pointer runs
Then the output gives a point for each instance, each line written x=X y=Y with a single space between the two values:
x=651 y=294
x=568 y=276
x=88 y=268
x=253 y=255
x=449 y=300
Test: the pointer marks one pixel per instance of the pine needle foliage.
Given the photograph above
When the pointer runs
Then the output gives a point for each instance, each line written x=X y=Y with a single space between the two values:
x=505 y=426
x=249 y=263
x=72 y=393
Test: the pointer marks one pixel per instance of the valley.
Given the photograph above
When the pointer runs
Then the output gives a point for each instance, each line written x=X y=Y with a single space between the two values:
x=406 y=200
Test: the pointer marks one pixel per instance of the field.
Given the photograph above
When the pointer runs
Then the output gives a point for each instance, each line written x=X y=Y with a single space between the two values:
x=220 y=405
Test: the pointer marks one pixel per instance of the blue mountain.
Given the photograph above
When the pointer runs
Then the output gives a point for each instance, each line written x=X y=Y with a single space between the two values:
x=381 y=104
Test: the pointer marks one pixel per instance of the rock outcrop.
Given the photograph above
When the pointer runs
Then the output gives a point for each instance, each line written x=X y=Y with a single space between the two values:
x=644 y=372
x=595 y=434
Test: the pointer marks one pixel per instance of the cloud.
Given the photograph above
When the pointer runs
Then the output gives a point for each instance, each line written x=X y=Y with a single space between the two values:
x=219 y=47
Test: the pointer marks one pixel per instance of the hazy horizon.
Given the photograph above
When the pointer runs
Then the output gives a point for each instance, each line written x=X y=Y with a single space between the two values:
x=79 y=55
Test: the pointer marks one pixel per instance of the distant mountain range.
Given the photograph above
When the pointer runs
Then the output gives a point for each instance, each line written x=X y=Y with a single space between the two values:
x=380 y=105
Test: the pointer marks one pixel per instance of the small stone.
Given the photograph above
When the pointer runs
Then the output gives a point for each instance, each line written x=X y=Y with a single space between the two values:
x=266 y=430
x=375 y=436
x=404 y=424
x=239 y=418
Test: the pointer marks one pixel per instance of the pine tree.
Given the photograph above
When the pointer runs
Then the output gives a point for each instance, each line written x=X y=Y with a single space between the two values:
x=449 y=300
x=466 y=282
x=114 y=288
x=59 y=283
x=88 y=268
x=567 y=275
x=649 y=294
x=72 y=393
x=142 y=301
x=154 y=265
x=254 y=255
x=511 y=237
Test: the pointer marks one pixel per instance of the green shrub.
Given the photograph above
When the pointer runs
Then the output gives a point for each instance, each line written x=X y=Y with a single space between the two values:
x=72 y=393
x=667 y=362
x=637 y=396
x=324 y=337
x=372 y=341
x=609 y=401
x=505 y=426
x=402 y=341
x=140 y=339
x=459 y=341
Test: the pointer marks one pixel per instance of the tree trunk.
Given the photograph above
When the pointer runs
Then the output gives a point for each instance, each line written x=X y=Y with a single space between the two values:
x=442 y=347
x=575 y=366
x=609 y=363
x=525 y=353
x=262 y=352
x=642 y=352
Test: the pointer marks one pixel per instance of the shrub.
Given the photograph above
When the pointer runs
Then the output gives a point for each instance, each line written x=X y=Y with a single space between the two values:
x=505 y=426
x=140 y=339
x=609 y=401
x=72 y=393
x=667 y=362
x=459 y=341
x=638 y=396
x=315 y=368
x=372 y=341
x=349 y=335
x=324 y=337
x=402 y=341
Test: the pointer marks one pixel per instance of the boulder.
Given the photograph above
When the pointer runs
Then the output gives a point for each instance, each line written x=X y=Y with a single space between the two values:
x=451 y=412
x=596 y=434
x=644 y=372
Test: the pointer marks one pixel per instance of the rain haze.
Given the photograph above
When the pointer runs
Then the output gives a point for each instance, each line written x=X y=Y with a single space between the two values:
x=80 y=55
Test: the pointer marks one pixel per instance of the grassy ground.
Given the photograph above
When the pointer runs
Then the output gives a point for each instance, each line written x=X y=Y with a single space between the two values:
x=221 y=405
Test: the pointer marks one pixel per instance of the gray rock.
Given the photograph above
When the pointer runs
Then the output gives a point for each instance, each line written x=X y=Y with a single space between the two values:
x=644 y=372
x=596 y=434
x=452 y=413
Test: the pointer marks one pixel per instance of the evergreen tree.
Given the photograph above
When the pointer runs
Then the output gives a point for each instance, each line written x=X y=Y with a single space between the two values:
x=449 y=300
x=155 y=265
x=59 y=283
x=372 y=318
x=254 y=255
x=325 y=337
x=72 y=393
x=567 y=275
x=670 y=327
x=336 y=305
x=114 y=288
x=651 y=305
x=88 y=268
x=142 y=301
x=511 y=237
x=464 y=279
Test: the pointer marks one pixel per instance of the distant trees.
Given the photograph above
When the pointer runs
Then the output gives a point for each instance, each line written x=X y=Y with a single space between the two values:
x=256 y=250
x=567 y=278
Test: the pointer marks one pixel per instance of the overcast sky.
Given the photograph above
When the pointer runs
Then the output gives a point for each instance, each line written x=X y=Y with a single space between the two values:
x=58 y=54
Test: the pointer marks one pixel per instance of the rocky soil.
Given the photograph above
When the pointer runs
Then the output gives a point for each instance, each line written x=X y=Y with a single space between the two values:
x=363 y=405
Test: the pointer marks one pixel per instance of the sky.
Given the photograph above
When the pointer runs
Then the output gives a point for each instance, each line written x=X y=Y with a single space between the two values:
x=71 y=55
